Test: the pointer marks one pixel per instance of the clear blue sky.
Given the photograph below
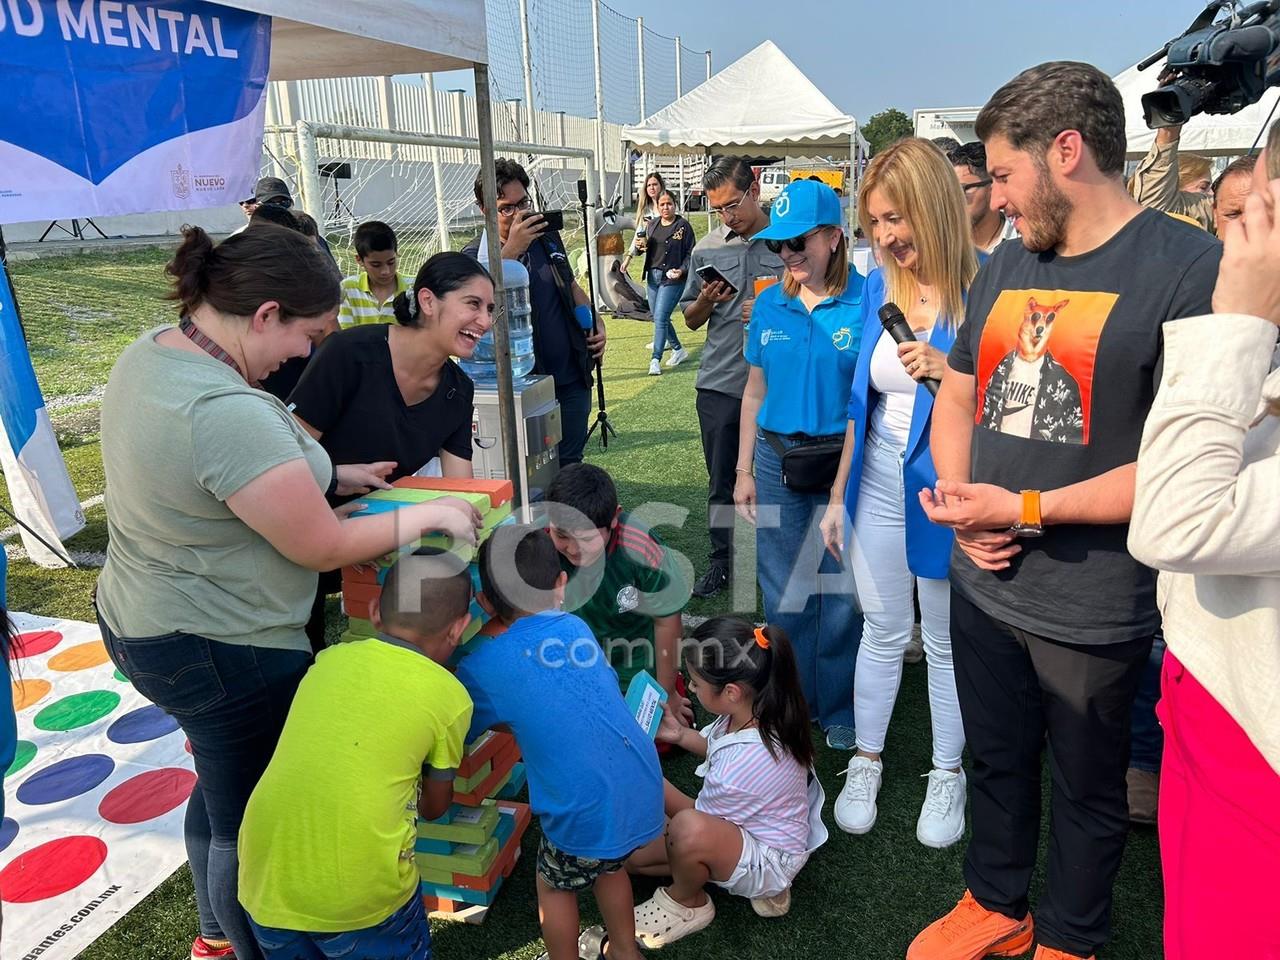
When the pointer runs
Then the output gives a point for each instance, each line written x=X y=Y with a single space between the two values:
x=867 y=55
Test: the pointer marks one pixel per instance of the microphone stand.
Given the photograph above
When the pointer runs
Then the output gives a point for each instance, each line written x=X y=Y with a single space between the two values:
x=602 y=414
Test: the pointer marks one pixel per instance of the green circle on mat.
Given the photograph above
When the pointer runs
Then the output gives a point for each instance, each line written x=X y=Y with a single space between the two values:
x=77 y=710
x=25 y=754
x=121 y=677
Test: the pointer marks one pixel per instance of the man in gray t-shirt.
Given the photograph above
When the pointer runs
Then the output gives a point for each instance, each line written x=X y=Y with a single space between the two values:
x=733 y=193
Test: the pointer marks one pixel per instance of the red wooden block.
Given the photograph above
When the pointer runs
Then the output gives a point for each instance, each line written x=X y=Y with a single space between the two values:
x=368 y=573
x=499 y=491
x=472 y=762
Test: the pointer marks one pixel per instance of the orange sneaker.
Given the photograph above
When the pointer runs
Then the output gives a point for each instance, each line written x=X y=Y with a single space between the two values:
x=971 y=932
x=1048 y=953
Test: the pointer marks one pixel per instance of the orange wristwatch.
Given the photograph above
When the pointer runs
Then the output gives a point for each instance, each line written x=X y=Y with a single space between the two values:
x=1029 y=524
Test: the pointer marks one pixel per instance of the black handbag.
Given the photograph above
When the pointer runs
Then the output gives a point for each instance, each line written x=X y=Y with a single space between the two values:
x=810 y=466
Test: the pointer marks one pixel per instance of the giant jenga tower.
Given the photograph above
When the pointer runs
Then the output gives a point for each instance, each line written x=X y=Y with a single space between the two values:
x=465 y=855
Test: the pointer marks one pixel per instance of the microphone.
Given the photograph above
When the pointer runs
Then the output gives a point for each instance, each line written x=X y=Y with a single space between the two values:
x=895 y=324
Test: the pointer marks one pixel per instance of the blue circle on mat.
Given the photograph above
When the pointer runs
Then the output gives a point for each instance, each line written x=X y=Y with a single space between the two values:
x=65 y=779
x=145 y=723
x=8 y=830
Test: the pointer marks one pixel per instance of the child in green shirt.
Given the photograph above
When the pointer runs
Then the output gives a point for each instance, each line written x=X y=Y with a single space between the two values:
x=623 y=581
x=327 y=843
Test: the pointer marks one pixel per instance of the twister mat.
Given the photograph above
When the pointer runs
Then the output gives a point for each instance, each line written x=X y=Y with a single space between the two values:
x=94 y=799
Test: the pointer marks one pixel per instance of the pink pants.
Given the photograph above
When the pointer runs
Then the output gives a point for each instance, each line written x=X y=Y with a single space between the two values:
x=1219 y=830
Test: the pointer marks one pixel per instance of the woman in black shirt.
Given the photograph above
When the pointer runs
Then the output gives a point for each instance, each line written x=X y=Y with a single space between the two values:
x=389 y=394
x=666 y=265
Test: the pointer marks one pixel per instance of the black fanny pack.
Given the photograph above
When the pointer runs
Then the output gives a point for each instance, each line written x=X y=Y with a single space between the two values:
x=810 y=466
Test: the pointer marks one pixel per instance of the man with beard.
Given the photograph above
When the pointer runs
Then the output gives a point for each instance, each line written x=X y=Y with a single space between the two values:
x=1051 y=619
x=989 y=224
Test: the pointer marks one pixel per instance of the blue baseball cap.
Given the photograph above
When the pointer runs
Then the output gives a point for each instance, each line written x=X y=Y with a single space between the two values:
x=803 y=205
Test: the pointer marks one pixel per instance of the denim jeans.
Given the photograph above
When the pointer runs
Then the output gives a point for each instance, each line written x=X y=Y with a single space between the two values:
x=806 y=591
x=663 y=298
x=231 y=701
x=1147 y=737
x=575 y=409
x=404 y=935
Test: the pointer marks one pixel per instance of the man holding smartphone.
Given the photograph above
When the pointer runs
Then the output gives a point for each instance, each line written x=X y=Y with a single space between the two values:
x=564 y=347
x=724 y=308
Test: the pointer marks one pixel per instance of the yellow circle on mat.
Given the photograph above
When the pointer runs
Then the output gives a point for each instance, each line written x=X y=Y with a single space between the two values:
x=80 y=657
x=29 y=692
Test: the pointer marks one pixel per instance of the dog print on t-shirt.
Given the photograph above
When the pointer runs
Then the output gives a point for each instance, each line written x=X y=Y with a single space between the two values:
x=1036 y=362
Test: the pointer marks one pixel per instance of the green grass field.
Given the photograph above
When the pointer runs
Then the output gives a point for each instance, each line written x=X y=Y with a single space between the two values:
x=861 y=897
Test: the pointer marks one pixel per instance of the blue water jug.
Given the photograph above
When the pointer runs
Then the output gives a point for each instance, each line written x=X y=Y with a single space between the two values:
x=482 y=367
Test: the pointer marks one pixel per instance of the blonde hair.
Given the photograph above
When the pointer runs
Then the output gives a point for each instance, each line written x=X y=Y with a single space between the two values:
x=643 y=204
x=1273 y=151
x=836 y=279
x=921 y=184
x=1192 y=168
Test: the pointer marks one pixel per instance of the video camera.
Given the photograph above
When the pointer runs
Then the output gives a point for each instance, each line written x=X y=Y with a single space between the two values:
x=1216 y=67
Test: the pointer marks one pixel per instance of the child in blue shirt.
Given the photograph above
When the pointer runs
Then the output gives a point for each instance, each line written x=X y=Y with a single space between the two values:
x=594 y=779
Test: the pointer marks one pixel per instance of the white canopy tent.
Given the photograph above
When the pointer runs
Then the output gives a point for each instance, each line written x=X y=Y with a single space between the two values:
x=1209 y=135
x=761 y=103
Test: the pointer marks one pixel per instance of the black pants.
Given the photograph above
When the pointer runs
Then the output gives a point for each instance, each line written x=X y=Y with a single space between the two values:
x=330 y=582
x=718 y=417
x=1016 y=687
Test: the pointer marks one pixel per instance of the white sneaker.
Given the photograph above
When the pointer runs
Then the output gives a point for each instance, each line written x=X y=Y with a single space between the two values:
x=655 y=368
x=941 y=820
x=856 y=805
x=649 y=345
x=678 y=356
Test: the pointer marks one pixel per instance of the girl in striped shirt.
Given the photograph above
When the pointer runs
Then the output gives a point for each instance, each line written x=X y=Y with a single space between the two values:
x=758 y=816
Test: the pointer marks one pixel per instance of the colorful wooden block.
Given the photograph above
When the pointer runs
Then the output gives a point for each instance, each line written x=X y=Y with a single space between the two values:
x=474 y=824
x=499 y=491
x=473 y=859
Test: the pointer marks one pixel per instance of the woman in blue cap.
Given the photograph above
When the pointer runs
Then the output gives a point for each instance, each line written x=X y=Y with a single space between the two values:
x=912 y=205
x=802 y=348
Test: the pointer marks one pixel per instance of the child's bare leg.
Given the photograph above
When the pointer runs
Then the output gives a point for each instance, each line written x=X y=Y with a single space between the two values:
x=650 y=860
x=700 y=847
x=558 y=914
x=617 y=906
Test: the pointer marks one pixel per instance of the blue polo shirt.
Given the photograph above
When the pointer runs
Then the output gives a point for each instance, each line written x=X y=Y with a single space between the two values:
x=808 y=359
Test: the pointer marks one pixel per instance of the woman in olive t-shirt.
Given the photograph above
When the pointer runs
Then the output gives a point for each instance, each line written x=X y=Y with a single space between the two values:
x=217 y=522
x=390 y=396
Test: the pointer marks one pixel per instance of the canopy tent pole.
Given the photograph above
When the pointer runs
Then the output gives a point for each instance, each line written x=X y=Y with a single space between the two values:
x=501 y=330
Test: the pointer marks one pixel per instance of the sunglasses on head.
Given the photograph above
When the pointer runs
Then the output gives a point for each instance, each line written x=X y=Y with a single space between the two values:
x=794 y=244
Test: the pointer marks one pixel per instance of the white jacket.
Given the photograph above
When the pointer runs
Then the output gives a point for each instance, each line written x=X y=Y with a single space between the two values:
x=1207 y=513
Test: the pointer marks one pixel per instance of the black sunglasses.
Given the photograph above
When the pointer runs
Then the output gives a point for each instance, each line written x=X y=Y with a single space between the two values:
x=794 y=244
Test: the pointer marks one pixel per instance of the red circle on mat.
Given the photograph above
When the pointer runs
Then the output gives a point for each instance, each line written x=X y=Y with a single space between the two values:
x=147 y=796
x=35 y=643
x=51 y=869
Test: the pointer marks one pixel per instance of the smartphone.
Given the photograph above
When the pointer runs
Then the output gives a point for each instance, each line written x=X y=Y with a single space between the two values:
x=710 y=274
x=554 y=219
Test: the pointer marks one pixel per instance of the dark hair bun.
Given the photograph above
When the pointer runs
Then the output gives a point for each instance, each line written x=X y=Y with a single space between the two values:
x=401 y=307
x=190 y=267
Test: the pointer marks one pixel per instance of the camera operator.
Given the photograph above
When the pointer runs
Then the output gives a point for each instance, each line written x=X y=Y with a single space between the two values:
x=1204 y=514
x=1156 y=185
x=565 y=345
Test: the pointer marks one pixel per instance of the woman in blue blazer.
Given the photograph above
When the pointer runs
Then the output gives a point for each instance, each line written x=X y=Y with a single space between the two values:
x=912 y=206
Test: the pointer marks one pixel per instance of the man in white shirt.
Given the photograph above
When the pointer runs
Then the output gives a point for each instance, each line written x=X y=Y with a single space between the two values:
x=990 y=227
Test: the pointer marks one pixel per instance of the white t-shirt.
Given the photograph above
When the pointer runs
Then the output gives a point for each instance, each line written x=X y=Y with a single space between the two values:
x=891 y=416
x=1020 y=396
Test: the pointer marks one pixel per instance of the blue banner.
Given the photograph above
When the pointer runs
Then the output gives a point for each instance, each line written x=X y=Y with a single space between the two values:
x=39 y=486
x=127 y=107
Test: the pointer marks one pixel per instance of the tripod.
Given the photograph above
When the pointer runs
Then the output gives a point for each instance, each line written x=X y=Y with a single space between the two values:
x=602 y=415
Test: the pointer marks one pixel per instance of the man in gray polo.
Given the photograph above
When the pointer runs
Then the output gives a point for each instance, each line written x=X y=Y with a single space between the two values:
x=733 y=193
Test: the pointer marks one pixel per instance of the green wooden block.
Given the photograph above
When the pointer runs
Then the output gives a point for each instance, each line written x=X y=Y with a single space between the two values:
x=464 y=825
x=470 y=859
x=468 y=784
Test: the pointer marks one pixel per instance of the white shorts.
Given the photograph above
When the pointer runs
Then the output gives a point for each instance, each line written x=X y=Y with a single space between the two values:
x=762 y=871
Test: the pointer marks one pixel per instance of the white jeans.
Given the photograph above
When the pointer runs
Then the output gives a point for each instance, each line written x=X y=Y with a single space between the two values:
x=878 y=556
